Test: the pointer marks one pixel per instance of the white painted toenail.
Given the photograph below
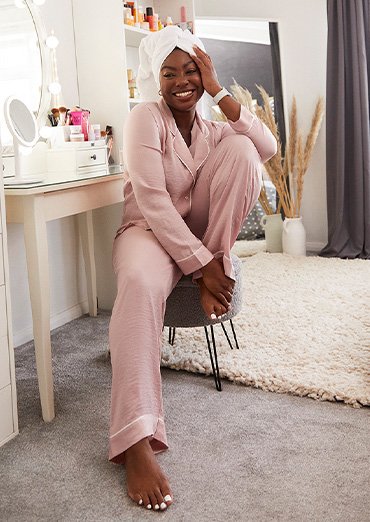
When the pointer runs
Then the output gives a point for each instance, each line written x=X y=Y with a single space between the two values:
x=163 y=505
x=140 y=502
x=167 y=498
x=149 y=506
x=156 y=507
x=213 y=316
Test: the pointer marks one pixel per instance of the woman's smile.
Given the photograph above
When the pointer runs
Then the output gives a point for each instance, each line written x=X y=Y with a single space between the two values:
x=185 y=94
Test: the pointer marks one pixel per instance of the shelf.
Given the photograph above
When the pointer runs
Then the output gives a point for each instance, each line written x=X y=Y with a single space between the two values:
x=134 y=35
x=133 y=101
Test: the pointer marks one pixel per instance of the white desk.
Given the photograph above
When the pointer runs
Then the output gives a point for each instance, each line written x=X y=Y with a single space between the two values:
x=34 y=206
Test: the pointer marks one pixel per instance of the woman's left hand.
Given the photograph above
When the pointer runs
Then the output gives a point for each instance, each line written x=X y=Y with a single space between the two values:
x=207 y=71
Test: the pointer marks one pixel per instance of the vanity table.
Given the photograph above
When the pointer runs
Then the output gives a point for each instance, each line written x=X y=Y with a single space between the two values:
x=35 y=205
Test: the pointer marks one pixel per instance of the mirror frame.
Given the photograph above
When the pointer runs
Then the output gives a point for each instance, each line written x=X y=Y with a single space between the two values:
x=46 y=64
x=46 y=72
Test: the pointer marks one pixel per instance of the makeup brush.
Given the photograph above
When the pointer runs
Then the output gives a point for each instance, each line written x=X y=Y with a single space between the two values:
x=62 y=115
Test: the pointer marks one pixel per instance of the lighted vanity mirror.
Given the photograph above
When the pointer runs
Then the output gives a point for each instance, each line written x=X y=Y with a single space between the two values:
x=23 y=60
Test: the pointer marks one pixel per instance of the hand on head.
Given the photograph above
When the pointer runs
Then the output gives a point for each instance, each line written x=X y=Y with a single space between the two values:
x=207 y=71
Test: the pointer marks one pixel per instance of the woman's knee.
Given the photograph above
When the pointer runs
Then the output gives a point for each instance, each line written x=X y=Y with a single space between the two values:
x=240 y=146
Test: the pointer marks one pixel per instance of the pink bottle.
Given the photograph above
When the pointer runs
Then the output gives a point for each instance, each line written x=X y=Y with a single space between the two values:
x=81 y=118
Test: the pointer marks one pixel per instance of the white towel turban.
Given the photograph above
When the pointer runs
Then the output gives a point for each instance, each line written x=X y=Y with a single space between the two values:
x=153 y=50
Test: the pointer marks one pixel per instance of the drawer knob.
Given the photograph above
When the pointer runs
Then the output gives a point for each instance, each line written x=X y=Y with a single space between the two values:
x=93 y=157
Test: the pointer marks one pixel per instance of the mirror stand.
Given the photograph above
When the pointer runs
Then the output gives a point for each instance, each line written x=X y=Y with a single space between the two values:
x=23 y=127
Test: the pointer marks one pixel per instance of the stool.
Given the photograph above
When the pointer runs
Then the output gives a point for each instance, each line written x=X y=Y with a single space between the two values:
x=183 y=310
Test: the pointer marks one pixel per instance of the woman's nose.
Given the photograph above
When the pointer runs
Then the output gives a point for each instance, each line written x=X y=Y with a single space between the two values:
x=182 y=80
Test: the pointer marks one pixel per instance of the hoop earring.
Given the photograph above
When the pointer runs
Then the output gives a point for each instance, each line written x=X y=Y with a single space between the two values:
x=160 y=92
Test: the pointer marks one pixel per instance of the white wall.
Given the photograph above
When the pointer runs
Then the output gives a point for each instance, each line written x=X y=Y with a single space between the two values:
x=68 y=292
x=303 y=33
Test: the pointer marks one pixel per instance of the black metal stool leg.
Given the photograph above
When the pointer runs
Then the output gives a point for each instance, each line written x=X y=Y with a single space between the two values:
x=227 y=337
x=234 y=334
x=214 y=363
x=171 y=335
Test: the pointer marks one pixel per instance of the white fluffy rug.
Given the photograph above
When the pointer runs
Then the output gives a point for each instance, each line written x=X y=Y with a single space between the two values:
x=304 y=329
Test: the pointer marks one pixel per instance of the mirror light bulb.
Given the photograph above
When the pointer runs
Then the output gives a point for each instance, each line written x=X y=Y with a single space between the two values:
x=52 y=41
x=38 y=2
x=54 y=87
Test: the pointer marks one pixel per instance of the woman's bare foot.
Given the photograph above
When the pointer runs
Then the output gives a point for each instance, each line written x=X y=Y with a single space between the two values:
x=146 y=483
x=211 y=305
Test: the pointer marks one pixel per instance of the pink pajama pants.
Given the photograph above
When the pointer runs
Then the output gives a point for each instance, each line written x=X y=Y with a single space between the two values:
x=226 y=190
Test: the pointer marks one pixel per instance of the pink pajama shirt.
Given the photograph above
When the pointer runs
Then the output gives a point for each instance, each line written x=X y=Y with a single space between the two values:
x=183 y=206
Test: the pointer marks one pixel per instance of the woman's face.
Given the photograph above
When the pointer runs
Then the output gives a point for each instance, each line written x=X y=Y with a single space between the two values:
x=180 y=81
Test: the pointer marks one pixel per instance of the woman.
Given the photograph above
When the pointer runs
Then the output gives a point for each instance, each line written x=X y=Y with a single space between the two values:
x=190 y=185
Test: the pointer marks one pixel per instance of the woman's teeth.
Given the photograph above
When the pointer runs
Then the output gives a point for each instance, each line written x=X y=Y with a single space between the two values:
x=183 y=94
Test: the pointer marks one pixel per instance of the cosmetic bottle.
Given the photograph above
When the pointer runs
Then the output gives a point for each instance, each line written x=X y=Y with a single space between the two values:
x=141 y=14
x=135 y=13
x=149 y=17
x=168 y=21
x=91 y=134
x=155 y=22
x=183 y=25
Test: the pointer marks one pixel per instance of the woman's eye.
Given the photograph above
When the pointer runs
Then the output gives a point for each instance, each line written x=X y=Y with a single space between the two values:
x=191 y=71
x=168 y=75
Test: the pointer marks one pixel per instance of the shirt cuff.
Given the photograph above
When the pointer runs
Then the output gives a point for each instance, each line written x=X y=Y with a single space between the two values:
x=196 y=261
x=245 y=122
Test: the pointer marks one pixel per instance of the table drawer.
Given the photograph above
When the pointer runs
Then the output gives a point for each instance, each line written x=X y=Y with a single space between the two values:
x=6 y=413
x=4 y=362
x=91 y=157
x=3 y=315
x=2 y=276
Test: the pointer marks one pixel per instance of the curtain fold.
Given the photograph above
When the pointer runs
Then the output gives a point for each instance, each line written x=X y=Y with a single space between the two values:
x=348 y=129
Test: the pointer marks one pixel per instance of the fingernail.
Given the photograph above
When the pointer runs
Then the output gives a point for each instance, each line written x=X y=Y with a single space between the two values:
x=140 y=502
x=156 y=507
x=163 y=505
x=149 y=506
x=213 y=316
x=167 y=498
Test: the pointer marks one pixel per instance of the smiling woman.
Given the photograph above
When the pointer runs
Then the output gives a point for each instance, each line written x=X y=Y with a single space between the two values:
x=190 y=184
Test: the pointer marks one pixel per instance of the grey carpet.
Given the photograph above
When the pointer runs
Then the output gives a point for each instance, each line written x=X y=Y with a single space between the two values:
x=239 y=455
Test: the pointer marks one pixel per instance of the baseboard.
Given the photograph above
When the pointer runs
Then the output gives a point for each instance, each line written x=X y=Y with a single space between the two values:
x=25 y=335
x=315 y=247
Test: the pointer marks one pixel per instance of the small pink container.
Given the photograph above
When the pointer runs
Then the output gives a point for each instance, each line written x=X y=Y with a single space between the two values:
x=81 y=118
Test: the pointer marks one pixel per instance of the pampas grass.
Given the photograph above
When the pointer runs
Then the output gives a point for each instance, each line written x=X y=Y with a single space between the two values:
x=287 y=173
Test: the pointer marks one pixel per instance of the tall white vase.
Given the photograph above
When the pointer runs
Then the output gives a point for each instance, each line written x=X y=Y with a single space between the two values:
x=273 y=227
x=294 y=237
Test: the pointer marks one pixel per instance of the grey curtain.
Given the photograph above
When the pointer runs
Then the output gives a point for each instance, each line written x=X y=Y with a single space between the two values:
x=348 y=129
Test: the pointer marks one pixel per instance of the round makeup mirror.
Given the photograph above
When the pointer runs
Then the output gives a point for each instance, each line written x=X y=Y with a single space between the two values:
x=22 y=126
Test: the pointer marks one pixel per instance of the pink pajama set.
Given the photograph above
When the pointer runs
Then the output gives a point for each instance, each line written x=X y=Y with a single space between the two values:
x=183 y=206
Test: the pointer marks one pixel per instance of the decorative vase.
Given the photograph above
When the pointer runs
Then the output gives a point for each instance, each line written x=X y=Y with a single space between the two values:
x=273 y=227
x=294 y=237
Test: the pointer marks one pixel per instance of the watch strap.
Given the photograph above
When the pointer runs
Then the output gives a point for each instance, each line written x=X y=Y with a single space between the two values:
x=223 y=92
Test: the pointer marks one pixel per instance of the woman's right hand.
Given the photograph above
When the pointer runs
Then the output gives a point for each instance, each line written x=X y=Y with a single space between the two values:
x=217 y=282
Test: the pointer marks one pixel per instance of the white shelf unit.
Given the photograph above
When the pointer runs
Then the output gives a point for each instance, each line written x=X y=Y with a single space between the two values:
x=8 y=395
x=102 y=69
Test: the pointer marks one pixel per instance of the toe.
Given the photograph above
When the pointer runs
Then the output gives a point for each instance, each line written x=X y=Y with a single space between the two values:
x=146 y=501
x=136 y=497
x=153 y=500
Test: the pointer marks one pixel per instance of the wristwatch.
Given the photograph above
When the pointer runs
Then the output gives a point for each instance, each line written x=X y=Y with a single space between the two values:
x=223 y=92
